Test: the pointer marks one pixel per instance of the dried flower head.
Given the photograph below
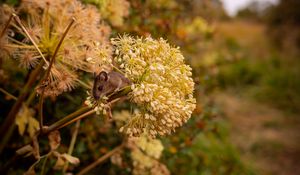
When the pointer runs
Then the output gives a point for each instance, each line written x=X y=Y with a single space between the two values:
x=162 y=86
x=86 y=46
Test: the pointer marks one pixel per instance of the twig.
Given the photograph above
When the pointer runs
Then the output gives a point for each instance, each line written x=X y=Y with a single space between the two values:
x=41 y=99
x=17 y=19
x=8 y=94
x=100 y=160
x=72 y=144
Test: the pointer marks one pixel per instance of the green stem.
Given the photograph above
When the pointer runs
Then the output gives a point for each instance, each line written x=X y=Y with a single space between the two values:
x=78 y=114
x=72 y=144
x=66 y=119
x=44 y=165
x=100 y=160
x=8 y=124
x=30 y=98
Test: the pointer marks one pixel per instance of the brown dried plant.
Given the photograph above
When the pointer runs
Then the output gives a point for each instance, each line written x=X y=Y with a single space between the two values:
x=85 y=48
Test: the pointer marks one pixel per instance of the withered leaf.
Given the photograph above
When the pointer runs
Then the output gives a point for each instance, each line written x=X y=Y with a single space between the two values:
x=54 y=139
x=59 y=163
x=25 y=150
x=70 y=159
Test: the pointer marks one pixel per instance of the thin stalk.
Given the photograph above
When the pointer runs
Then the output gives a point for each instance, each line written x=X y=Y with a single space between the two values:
x=41 y=102
x=83 y=84
x=72 y=144
x=100 y=160
x=17 y=19
x=58 y=47
x=8 y=94
x=19 y=46
x=6 y=26
x=8 y=124
x=19 y=43
x=41 y=99
x=44 y=165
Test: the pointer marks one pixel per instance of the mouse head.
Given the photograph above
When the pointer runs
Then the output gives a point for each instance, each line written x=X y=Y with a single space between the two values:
x=100 y=87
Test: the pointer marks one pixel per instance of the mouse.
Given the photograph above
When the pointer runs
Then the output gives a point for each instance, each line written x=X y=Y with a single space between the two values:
x=106 y=83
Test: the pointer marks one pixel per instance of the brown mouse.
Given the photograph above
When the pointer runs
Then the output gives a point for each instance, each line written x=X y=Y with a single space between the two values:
x=106 y=83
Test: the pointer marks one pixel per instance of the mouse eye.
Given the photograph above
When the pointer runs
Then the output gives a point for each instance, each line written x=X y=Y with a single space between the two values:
x=100 y=88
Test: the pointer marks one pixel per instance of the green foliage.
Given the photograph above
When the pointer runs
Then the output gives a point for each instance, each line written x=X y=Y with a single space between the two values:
x=273 y=80
x=239 y=73
x=207 y=149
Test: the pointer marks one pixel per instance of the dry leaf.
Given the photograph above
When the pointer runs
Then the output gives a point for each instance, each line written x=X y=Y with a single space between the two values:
x=59 y=163
x=27 y=149
x=54 y=139
x=33 y=126
x=25 y=117
x=70 y=159
x=21 y=119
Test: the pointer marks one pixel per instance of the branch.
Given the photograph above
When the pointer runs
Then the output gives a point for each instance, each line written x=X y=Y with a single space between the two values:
x=100 y=160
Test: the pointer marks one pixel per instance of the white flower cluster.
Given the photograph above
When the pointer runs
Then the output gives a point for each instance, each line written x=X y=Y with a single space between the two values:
x=99 y=107
x=162 y=85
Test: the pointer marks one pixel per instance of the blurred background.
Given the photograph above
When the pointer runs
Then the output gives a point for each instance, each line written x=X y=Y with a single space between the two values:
x=246 y=66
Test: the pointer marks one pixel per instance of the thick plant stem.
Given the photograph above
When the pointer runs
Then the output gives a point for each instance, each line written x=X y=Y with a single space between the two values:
x=100 y=160
x=8 y=124
x=81 y=113
x=66 y=119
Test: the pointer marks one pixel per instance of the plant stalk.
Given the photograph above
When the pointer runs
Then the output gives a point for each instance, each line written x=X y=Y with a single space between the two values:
x=72 y=144
x=100 y=160
x=8 y=124
x=41 y=99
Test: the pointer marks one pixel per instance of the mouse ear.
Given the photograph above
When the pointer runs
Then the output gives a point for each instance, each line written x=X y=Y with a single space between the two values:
x=103 y=76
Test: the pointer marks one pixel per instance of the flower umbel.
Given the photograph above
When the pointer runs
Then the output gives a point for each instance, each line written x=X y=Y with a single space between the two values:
x=162 y=85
